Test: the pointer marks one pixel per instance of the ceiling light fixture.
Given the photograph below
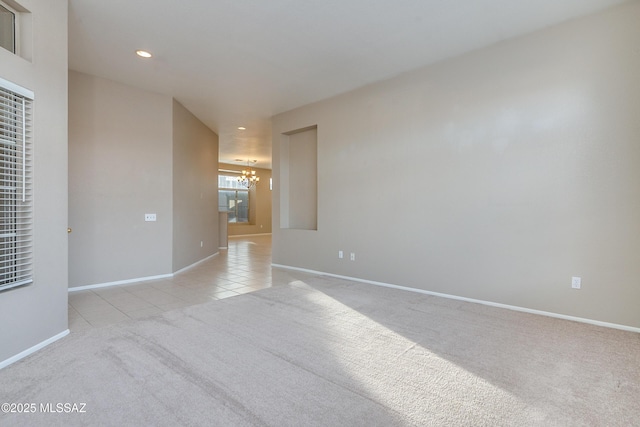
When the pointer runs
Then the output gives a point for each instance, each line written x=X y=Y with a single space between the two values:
x=143 y=54
x=248 y=177
x=242 y=128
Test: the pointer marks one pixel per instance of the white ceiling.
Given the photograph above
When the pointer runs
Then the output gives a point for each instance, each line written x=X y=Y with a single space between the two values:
x=238 y=62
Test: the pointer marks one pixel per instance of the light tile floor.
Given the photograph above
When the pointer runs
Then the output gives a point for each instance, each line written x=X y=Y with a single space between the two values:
x=244 y=267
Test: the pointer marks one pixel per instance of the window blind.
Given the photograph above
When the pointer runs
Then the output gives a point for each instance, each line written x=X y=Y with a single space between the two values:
x=16 y=194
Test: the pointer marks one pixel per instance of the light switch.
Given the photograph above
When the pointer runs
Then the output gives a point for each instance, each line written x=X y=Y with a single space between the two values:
x=576 y=282
x=149 y=217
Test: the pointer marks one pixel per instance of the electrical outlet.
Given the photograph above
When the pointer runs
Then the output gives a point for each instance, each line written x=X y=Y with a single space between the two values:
x=576 y=282
x=340 y=254
x=149 y=217
x=353 y=256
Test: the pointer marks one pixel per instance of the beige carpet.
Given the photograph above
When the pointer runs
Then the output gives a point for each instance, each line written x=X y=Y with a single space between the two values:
x=333 y=353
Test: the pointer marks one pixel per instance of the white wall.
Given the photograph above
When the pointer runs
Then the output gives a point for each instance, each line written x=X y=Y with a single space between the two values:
x=32 y=314
x=497 y=175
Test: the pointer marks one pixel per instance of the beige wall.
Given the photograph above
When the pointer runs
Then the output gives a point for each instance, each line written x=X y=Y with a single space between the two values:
x=195 y=189
x=133 y=152
x=497 y=175
x=259 y=204
x=120 y=162
x=32 y=314
x=298 y=180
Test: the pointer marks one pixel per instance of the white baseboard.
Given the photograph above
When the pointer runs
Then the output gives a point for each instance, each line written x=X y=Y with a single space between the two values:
x=120 y=282
x=33 y=349
x=140 y=279
x=477 y=301
x=189 y=267
x=249 y=235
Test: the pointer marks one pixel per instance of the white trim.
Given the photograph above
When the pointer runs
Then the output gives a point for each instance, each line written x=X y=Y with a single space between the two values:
x=16 y=89
x=189 y=267
x=33 y=349
x=249 y=235
x=24 y=150
x=120 y=282
x=472 y=300
x=139 y=279
x=16 y=25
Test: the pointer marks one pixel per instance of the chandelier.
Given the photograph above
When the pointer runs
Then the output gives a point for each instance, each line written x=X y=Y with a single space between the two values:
x=248 y=177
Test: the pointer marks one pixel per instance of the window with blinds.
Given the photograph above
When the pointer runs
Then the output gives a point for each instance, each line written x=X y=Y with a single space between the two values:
x=16 y=198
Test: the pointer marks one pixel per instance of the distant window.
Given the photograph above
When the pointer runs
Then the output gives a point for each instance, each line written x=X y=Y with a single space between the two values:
x=16 y=203
x=233 y=198
x=7 y=28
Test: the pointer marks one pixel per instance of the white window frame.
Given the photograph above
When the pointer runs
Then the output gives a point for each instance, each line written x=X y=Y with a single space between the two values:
x=16 y=27
x=16 y=186
x=238 y=188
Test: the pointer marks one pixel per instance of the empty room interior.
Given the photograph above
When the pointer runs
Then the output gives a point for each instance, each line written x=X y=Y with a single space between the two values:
x=320 y=213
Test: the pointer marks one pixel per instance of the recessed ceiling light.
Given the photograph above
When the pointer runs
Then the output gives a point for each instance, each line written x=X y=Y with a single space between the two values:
x=143 y=54
x=242 y=128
